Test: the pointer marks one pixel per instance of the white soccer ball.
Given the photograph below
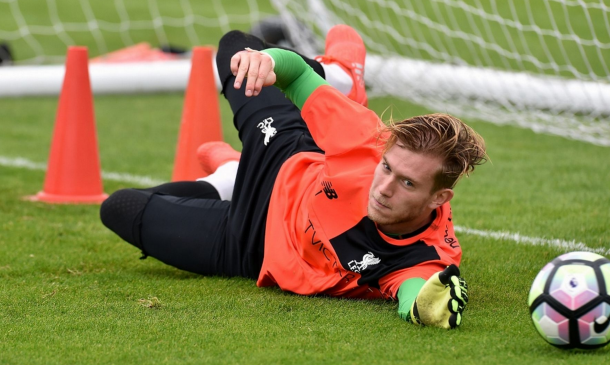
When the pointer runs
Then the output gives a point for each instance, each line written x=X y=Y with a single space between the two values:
x=570 y=301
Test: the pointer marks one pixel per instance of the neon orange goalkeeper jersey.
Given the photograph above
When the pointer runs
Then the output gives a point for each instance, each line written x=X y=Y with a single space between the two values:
x=318 y=237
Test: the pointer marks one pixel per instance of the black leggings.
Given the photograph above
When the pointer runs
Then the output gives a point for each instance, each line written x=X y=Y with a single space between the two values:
x=185 y=224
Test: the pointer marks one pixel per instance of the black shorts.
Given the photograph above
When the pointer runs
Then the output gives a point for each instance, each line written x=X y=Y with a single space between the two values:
x=227 y=238
x=213 y=237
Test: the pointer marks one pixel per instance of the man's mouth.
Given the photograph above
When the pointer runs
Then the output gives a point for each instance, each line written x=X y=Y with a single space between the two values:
x=380 y=203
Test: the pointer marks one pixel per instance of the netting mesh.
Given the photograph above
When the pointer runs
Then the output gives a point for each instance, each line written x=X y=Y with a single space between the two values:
x=540 y=64
x=39 y=31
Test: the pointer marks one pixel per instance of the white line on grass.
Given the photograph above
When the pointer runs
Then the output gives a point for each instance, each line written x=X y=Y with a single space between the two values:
x=112 y=176
x=22 y=162
x=562 y=245
x=566 y=246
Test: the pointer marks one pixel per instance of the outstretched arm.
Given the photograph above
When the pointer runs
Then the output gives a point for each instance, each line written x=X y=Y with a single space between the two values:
x=273 y=66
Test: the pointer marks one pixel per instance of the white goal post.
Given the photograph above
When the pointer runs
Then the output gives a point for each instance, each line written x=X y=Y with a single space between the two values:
x=538 y=64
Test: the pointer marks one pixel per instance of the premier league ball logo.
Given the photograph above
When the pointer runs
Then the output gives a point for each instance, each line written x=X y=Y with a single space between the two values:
x=570 y=302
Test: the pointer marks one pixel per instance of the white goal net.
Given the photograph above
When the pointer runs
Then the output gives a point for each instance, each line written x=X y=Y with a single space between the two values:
x=538 y=64
x=39 y=31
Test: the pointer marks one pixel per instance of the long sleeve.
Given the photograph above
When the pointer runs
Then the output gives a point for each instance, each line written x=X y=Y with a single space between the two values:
x=294 y=77
x=406 y=296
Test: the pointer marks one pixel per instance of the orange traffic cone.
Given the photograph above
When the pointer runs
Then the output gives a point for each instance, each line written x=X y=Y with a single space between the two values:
x=73 y=173
x=200 y=116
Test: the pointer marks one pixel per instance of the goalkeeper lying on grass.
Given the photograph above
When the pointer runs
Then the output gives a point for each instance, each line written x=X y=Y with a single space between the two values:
x=324 y=198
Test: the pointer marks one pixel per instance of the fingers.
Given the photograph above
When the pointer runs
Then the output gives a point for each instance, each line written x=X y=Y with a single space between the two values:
x=256 y=67
x=455 y=320
x=455 y=306
x=463 y=284
x=235 y=63
x=265 y=69
x=252 y=74
x=462 y=296
x=458 y=290
x=459 y=299
x=240 y=63
x=464 y=288
x=445 y=275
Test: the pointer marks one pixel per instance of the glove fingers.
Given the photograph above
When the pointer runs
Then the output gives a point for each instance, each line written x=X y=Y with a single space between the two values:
x=455 y=306
x=458 y=291
x=445 y=275
x=455 y=320
x=457 y=294
x=465 y=296
x=463 y=284
x=464 y=288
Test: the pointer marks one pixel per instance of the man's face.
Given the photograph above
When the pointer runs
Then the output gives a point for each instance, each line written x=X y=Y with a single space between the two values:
x=401 y=198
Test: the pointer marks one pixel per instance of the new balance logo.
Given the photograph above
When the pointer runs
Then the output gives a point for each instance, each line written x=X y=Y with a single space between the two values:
x=367 y=260
x=267 y=129
x=328 y=190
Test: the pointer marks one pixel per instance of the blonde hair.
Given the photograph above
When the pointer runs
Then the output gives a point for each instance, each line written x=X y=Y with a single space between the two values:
x=444 y=136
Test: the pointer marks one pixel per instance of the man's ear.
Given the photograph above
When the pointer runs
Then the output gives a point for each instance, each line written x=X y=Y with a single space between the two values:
x=440 y=197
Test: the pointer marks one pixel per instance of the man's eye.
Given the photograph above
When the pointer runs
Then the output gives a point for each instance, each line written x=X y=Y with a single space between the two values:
x=385 y=165
x=407 y=183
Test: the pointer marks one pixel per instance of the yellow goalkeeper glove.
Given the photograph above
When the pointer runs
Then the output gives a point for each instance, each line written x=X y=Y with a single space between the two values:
x=441 y=300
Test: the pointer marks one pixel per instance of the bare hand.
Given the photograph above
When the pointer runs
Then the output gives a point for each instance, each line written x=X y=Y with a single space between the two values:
x=256 y=66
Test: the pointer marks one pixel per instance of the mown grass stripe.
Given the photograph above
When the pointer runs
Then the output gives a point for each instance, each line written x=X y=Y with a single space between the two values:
x=518 y=238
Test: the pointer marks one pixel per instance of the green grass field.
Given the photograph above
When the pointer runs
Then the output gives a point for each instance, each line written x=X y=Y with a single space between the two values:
x=71 y=292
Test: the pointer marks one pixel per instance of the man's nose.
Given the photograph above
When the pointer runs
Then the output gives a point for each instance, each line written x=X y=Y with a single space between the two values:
x=385 y=186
